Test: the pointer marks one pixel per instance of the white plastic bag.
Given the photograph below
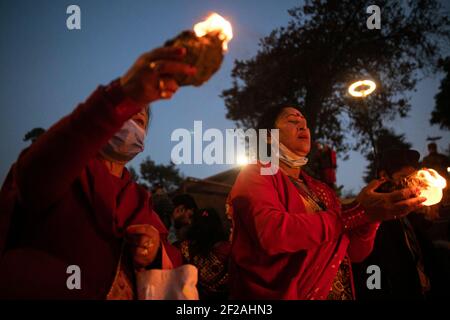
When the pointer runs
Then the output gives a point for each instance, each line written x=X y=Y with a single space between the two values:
x=168 y=283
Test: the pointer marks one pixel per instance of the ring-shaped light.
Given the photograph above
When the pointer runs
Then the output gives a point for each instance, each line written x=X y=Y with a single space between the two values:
x=355 y=92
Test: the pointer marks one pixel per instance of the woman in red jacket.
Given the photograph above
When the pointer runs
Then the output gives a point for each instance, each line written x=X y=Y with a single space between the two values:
x=292 y=239
x=68 y=203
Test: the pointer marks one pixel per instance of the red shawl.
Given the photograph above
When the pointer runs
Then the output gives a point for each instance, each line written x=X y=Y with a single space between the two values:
x=281 y=252
x=60 y=206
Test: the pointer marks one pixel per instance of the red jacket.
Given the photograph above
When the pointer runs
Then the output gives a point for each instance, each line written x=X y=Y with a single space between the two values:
x=60 y=206
x=281 y=252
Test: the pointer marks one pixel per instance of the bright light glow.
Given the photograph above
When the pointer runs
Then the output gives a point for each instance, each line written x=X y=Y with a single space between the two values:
x=242 y=160
x=431 y=184
x=213 y=23
x=448 y=169
x=361 y=93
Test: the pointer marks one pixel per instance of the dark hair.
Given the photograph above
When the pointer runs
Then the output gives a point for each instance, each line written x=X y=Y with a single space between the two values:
x=205 y=231
x=267 y=121
x=270 y=116
x=186 y=200
x=432 y=146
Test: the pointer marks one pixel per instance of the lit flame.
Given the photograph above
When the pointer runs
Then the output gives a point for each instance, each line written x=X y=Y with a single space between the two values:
x=362 y=93
x=213 y=23
x=432 y=186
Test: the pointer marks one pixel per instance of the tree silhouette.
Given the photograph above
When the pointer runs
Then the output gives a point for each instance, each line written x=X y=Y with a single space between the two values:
x=134 y=175
x=441 y=112
x=33 y=134
x=326 y=46
x=167 y=176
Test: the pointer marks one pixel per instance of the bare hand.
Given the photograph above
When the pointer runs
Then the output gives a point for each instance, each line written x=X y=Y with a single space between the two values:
x=144 y=242
x=152 y=76
x=387 y=206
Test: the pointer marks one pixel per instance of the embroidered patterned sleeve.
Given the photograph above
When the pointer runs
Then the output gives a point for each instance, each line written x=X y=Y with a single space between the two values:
x=353 y=216
x=360 y=231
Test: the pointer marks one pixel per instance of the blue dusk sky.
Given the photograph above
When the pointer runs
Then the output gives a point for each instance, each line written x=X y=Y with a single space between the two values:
x=46 y=70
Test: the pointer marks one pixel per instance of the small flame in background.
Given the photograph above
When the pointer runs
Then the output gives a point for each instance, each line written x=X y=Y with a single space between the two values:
x=431 y=185
x=215 y=23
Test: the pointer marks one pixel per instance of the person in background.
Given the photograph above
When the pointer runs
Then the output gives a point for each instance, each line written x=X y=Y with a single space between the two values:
x=162 y=205
x=328 y=166
x=229 y=216
x=401 y=250
x=322 y=164
x=70 y=201
x=440 y=163
x=207 y=247
x=184 y=206
x=436 y=161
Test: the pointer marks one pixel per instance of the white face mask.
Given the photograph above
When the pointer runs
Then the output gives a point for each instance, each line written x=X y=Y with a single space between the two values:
x=288 y=157
x=125 y=144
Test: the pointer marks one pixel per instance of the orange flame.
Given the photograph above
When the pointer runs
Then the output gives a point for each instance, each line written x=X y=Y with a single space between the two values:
x=213 y=23
x=432 y=187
